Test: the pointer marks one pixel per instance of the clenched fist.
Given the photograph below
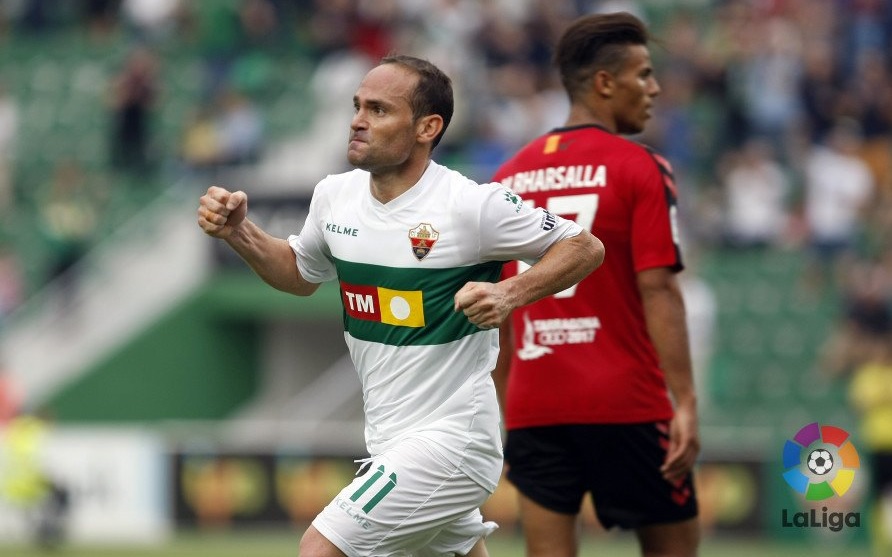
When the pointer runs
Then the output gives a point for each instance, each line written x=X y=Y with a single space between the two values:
x=221 y=211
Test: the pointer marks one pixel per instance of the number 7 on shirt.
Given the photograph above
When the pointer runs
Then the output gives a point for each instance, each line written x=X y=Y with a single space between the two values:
x=584 y=206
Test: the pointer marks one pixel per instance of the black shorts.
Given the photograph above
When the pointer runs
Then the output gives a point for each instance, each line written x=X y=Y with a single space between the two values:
x=619 y=464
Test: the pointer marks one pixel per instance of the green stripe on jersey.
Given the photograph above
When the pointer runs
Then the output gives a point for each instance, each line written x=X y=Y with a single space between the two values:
x=438 y=287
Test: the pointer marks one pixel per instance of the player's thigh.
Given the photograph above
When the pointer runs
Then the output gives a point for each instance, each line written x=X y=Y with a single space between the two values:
x=479 y=549
x=463 y=536
x=676 y=539
x=627 y=487
x=544 y=466
x=314 y=544
x=401 y=502
x=548 y=533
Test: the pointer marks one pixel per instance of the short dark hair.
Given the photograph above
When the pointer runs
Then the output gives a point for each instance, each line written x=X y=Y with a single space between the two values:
x=433 y=93
x=593 y=43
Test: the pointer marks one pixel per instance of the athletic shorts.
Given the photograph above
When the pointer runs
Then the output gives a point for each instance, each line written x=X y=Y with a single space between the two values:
x=407 y=501
x=617 y=463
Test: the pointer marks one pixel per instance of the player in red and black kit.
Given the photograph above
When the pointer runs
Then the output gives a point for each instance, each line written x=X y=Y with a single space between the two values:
x=596 y=380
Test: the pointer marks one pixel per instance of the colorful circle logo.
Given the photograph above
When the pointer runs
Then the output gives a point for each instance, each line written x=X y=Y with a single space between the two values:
x=820 y=461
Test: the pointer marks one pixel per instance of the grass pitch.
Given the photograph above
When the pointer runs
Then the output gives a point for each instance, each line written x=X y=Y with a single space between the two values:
x=283 y=543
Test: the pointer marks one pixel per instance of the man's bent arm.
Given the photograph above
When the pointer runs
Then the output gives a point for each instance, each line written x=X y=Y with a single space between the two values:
x=566 y=263
x=271 y=258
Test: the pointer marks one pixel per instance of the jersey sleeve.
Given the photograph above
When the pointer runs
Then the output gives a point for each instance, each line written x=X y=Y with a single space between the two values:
x=510 y=229
x=310 y=250
x=655 y=241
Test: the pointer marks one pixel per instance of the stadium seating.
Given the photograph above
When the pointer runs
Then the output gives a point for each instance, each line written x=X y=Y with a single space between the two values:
x=764 y=371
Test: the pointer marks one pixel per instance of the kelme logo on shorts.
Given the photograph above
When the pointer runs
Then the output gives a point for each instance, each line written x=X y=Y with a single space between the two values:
x=404 y=308
x=820 y=461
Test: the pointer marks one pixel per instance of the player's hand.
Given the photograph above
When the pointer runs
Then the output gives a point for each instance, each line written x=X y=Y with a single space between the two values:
x=221 y=211
x=684 y=444
x=484 y=304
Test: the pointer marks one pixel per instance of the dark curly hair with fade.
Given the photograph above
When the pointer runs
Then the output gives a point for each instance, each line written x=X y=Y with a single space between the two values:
x=594 y=43
x=432 y=95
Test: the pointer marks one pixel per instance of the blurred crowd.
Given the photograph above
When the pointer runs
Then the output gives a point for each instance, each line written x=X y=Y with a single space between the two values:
x=776 y=114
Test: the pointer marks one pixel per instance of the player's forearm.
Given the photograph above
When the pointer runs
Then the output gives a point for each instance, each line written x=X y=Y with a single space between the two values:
x=270 y=257
x=665 y=315
x=565 y=264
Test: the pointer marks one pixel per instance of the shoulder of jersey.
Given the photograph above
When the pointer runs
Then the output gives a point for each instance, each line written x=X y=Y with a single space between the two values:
x=333 y=181
x=658 y=159
x=604 y=139
x=639 y=153
x=467 y=186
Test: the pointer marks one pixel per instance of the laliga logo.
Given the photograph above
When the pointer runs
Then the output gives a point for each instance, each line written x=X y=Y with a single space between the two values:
x=820 y=463
x=830 y=459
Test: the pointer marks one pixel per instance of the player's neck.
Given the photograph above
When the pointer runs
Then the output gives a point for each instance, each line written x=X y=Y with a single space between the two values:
x=583 y=115
x=387 y=186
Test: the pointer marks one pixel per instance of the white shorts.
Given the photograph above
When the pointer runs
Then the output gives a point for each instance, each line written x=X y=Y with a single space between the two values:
x=408 y=501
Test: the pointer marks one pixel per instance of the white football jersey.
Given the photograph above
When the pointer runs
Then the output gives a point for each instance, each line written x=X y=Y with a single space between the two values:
x=425 y=369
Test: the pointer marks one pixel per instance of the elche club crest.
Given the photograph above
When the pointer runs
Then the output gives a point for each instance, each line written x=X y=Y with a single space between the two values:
x=423 y=237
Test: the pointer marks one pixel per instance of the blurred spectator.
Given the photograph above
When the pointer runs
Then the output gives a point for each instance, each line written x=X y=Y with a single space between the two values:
x=634 y=7
x=868 y=99
x=864 y=29
x=769 y=82
x=12 y=292
x=21 y=480
x=69 y=217
x=9 y=130
x=236 y=39
x=870 y=393
x=218 y=37
x=330 y=26
x=253 y=68
x=756 y=192
x=200 y=142
x=374 y=27
x=134 y=91
x=515 y=110
x=718 y=58
x=228 y=133
x=819 y=90
x=10 y=396
x=838 y=186
x=101 y=17
x=25 y=483
x=867 y=317
x=240 y=129
x=35 y=16
x=150 y=21
x=484 y=152
x=676 y=130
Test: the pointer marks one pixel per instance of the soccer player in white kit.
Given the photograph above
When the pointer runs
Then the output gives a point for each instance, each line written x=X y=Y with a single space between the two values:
x=417 y=250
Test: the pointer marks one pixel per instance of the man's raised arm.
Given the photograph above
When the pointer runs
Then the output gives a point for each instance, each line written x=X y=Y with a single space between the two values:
x=223 y=214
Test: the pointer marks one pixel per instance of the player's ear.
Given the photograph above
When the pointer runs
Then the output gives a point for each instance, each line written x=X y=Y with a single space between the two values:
x=428 y=128
x=603 y=83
